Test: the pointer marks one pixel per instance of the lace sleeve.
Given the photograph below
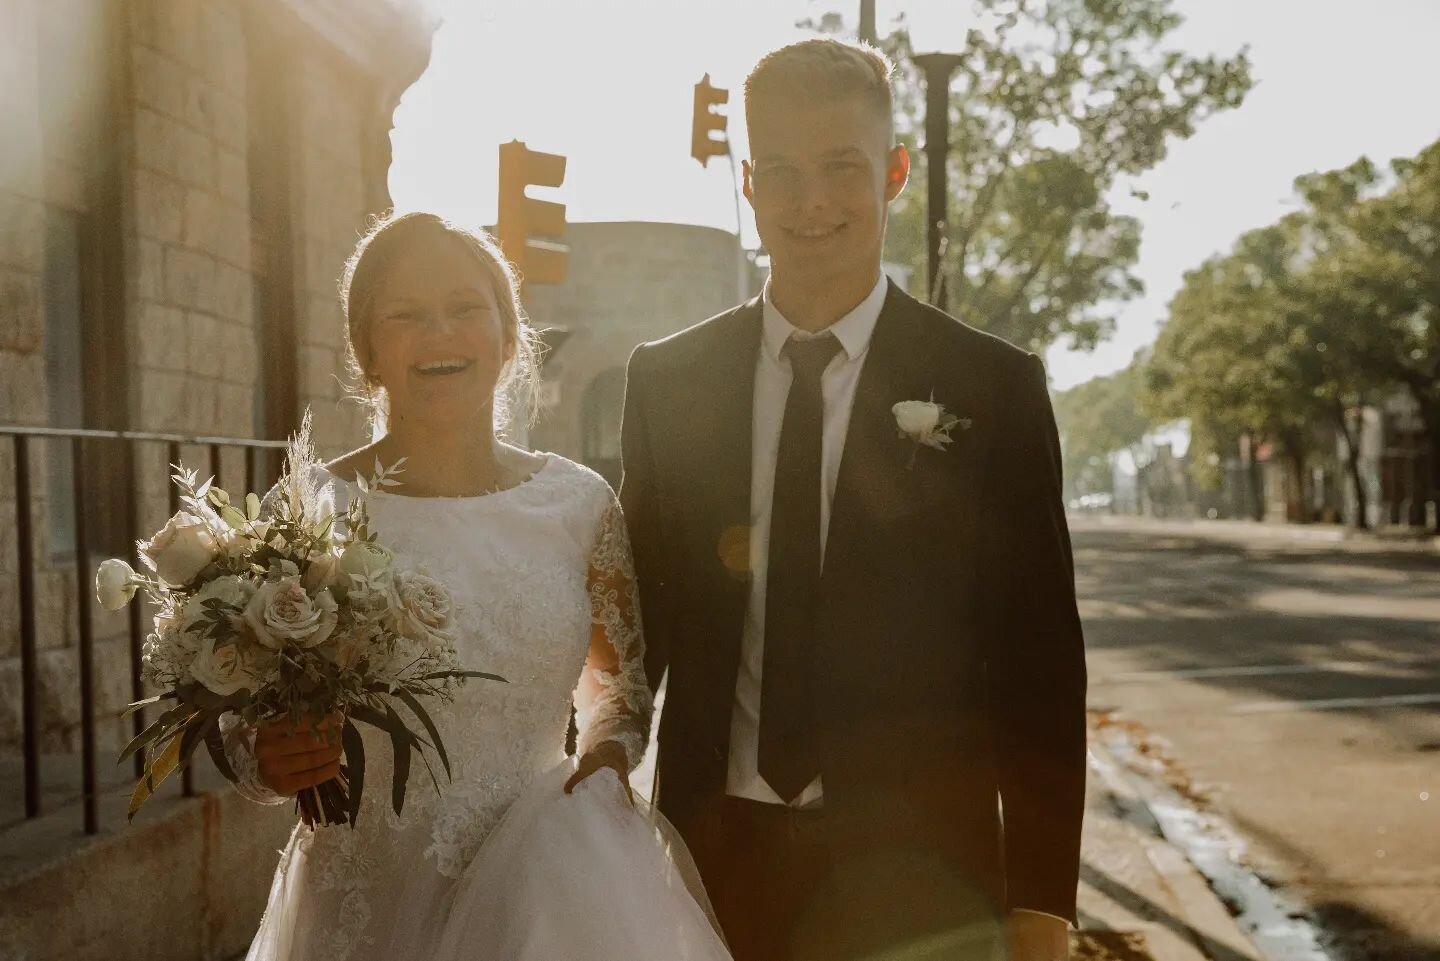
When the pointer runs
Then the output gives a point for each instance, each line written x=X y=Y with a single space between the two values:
x=613 y=699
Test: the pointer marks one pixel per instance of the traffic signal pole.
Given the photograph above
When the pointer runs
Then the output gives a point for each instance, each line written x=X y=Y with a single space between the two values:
x=705 y=122
x=523 y=223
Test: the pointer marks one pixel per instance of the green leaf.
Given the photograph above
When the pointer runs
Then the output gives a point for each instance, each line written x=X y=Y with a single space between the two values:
x=141 y=705
x=442 y=675
x=196 y=730
x=233 y=517
x=215 y=744
x=414 y=704
x=252 y=506
x=354 y=746
x=401 y=743
x=176 y=717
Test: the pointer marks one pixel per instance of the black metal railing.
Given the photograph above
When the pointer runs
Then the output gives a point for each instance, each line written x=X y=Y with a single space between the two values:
x=261 y=467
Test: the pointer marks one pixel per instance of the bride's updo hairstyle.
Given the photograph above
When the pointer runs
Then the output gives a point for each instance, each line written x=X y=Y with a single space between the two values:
x=392 y=233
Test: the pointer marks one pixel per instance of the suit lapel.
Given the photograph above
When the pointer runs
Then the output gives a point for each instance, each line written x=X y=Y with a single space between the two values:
x=722 y=468
x=874 y=483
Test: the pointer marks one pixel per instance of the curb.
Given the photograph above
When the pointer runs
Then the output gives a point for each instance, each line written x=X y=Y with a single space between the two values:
x=1209 y=931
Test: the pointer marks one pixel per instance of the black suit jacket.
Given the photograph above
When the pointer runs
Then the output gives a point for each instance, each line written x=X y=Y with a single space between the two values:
x=951 y=678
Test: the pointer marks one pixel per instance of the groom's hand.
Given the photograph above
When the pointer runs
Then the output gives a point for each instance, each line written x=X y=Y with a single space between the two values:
x=1037 y=937
x=609 y=754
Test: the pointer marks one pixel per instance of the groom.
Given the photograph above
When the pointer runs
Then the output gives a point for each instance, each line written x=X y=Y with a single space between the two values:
x=873 y=736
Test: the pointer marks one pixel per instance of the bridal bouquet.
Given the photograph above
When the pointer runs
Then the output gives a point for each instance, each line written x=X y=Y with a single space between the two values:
x=294 y=614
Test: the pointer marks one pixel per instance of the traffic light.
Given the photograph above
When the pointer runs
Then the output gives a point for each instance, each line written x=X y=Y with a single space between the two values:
x=521 y=219
x=702 y=146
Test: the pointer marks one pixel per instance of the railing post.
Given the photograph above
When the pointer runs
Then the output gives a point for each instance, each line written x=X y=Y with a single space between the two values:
x=84 y=587
x=27 y=578
x=137 y=619
x=25 y=550
x=250 y=484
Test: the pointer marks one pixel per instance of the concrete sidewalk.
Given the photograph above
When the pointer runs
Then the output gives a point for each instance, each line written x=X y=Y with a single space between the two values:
x=1140 y=899
x=1329 y=537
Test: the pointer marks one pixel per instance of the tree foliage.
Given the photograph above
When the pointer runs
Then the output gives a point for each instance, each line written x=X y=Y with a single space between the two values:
x=1096 y=420
x=1307 y=320
x=1056 y=103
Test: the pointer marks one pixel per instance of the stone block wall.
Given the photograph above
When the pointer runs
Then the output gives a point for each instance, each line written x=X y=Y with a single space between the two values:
x=178 y=95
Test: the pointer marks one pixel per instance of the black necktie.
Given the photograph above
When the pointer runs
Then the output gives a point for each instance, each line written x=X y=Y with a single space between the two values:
x=789 y=759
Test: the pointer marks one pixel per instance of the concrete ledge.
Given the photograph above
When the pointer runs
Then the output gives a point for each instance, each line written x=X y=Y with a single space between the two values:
x=186 y=882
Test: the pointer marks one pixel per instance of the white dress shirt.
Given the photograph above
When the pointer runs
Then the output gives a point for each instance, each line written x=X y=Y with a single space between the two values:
x=772 y=388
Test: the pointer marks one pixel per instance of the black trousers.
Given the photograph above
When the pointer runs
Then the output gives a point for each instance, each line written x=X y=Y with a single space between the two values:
x=792 y=885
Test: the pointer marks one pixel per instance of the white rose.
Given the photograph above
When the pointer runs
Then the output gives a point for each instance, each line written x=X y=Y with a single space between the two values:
x=281 y=611
x=221 y=667
x=322 y=572
x=182 y=549
x=366 y=560
x=115 y=584
x=232 y=590
x=424 y=609
x=917 y=417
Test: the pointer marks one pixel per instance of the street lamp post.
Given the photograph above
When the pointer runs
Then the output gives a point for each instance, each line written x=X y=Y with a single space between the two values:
x=938 y=68
x=867 y=22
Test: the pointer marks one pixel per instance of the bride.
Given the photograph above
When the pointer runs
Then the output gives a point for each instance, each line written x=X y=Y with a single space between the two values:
x=525 y=855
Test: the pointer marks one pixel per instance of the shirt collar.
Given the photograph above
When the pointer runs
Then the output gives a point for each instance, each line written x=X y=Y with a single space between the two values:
x=854 y=330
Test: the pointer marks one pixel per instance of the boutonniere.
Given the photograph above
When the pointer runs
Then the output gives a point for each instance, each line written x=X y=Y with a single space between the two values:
x=928 y=423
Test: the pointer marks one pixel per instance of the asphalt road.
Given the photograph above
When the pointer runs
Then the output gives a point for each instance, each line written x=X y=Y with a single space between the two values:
x=1296 y=679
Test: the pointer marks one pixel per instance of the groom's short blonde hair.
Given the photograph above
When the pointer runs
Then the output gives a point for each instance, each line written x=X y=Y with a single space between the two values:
x=823 y=70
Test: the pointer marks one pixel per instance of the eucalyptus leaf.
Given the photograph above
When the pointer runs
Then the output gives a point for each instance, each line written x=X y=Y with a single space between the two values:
x=401 y=745
x=155 y=774
x=173 y=718
x=354 y=746
x=141 y=705
x=414 y=704
x=215 y=744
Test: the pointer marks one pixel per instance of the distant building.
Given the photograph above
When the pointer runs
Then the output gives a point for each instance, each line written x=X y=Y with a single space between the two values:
x=627 y=283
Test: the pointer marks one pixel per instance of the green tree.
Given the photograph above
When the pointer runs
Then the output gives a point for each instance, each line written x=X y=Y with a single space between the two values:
x=1097 y=420
x=1379 y=272
x=1057 y=102
x=1226 y=357
x=1261 y=344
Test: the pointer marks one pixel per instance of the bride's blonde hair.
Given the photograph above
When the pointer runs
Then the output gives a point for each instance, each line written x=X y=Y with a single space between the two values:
x=391 y=233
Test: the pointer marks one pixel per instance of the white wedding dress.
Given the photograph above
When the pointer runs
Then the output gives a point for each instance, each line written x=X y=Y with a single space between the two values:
x=501 y=864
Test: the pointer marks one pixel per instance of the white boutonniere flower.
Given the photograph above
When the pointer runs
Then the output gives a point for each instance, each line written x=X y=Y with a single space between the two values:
x=928 y=423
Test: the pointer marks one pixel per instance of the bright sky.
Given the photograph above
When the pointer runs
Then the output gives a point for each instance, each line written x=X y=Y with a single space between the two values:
x=609 y=84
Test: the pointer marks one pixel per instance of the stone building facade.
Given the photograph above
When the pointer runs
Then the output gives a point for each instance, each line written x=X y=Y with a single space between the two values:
x=626 y=283
x=180 y=184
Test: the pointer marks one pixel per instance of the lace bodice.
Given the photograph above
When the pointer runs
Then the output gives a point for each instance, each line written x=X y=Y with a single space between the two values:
x=543 y=587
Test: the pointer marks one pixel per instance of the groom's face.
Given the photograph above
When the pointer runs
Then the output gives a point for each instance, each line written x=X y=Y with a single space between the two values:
x=820 y=179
